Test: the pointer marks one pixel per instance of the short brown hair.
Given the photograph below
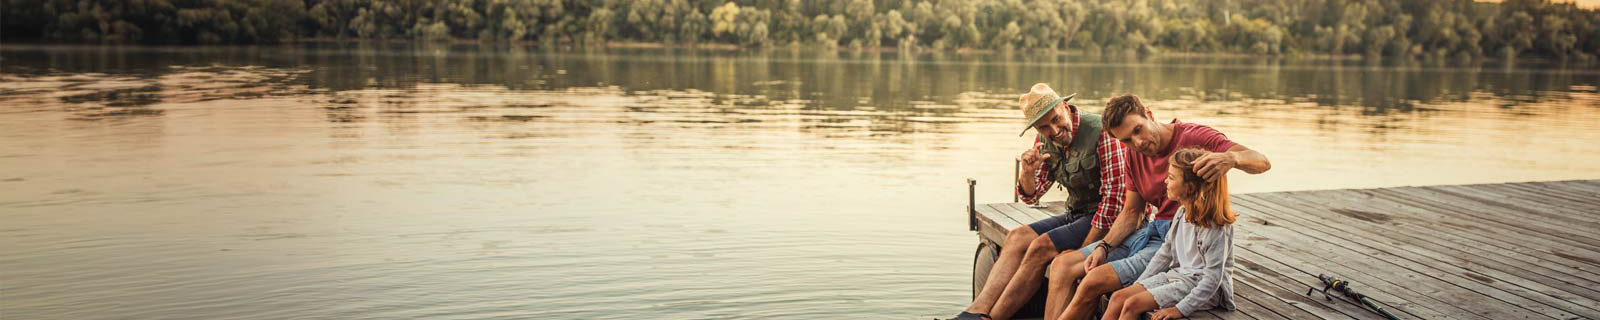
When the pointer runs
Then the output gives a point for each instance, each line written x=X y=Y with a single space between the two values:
x=1120 y=107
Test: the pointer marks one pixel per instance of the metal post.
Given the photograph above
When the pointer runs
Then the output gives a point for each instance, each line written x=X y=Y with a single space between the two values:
x=1016 y=175
x=972 y=205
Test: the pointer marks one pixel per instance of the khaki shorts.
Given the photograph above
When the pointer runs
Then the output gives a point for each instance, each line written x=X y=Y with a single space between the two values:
x=1168 y=287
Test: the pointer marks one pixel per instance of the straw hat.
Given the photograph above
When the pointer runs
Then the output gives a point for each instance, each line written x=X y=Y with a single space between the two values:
x=1037 y=102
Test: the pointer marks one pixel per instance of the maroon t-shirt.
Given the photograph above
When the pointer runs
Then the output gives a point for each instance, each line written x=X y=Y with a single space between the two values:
x=1148 y=175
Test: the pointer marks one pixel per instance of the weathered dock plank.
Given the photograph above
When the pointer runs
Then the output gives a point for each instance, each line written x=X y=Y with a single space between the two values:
x=1487 y=262
x=1488 y=251
x=1315 y=252
x=992 y=224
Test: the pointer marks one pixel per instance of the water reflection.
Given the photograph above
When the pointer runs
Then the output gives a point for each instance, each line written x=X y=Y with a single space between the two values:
x=845 y=80
x=464 y=181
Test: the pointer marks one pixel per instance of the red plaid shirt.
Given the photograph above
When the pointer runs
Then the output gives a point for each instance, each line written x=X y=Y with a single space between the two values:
x=1113 y=177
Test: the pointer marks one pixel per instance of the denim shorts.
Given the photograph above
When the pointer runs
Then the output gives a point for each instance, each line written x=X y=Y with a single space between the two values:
x=1130 y=258
x=1066 y=230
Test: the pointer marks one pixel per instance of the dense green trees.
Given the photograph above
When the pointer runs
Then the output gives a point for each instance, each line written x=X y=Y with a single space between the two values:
x=1436 y=28
x=154 y=21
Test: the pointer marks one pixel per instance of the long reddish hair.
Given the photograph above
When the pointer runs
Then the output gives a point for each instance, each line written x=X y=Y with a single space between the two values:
x=1207 y=201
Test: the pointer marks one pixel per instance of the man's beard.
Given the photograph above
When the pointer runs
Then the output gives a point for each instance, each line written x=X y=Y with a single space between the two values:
x=1056 y=140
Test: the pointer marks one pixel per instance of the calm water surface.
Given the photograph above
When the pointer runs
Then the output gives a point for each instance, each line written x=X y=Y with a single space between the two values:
x=445 y=182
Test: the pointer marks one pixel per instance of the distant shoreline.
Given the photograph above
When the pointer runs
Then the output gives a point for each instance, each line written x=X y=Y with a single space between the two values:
x=712 y=46
x=734 y=47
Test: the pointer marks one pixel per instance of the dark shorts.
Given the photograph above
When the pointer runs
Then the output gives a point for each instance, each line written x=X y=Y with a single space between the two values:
x=1066 y=230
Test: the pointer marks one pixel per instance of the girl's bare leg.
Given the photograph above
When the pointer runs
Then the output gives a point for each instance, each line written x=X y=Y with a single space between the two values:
x=1120 y=299
x=1138 y=304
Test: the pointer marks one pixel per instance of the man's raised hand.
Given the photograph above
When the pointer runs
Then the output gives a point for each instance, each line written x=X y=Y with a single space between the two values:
x=1034 y=158
x=1215 y=165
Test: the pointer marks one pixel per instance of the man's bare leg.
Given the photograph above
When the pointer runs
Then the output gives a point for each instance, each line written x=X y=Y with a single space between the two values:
x=1010 y=255
x=1100 y=280
x=1026 y=281
x=1065 y=271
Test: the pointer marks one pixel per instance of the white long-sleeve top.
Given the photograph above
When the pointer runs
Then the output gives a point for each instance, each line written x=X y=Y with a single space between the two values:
x=1204 y=255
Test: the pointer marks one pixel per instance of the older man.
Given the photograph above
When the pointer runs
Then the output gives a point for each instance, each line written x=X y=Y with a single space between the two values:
x=1072 y=150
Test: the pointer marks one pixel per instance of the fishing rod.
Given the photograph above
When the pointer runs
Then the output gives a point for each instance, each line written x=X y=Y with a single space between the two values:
x=1343 y=287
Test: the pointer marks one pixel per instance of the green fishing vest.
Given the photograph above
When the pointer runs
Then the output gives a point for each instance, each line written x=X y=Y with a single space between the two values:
x=1079 y=172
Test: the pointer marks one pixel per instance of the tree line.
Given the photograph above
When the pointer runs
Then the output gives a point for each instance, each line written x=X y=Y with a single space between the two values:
x=1438 y=28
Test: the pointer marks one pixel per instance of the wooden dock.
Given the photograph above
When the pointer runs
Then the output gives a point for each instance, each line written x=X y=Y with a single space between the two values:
x=1488 y=251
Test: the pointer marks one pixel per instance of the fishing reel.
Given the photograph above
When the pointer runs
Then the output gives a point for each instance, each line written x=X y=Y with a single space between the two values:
x=1343 y=288
x=1331 y=283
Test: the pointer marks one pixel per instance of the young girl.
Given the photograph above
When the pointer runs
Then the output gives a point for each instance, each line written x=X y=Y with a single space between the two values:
x=1191 y=272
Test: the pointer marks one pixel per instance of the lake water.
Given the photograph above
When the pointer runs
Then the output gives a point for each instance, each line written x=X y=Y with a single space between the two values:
x=468 y=182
